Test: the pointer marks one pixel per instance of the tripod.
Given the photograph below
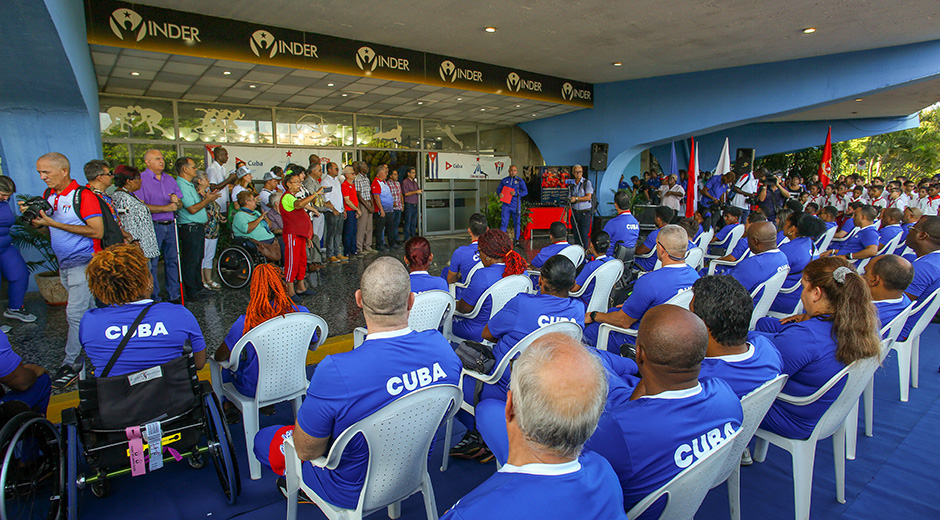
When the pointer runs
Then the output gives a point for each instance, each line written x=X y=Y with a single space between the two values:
x=567 y=218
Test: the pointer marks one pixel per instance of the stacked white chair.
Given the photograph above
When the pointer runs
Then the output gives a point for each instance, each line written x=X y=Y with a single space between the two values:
x=399 y=437
x=430 y=310
x=768 y=293
x=683 y=299
x=499 y=294
x=604 y=278
x=909 y=349
x=281 y=345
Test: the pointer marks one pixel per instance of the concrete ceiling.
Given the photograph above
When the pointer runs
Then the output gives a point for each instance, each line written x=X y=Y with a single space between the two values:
x=580 y=39
x=890 y=103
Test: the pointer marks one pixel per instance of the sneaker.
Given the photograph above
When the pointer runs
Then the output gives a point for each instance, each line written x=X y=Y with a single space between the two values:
x=486 y=456
x=19 y=314
x=470 y=447
x=6 y=329
x=746 y=459
x=64 y=377
x=302 y=497
x=342 y=257
x=333 y=259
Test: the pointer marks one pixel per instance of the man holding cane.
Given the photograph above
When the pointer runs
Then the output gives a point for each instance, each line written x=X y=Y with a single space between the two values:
x=161 y=194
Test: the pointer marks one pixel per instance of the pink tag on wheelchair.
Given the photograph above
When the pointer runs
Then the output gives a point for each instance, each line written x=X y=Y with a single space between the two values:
x=136 y=447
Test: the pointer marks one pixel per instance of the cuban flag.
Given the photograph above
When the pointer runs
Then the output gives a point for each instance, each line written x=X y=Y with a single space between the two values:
x=433 y=166
x=499 y=168
x=691 y=192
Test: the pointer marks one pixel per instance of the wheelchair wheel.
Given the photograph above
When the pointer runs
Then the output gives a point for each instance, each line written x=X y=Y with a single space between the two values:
x=33 y=468
x=221 y=448
x=235 y=267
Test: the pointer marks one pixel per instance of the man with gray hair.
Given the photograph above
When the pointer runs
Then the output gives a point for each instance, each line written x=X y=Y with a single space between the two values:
x=582 y=193
x=556 y=396
x=650 y=290
x=347 y=387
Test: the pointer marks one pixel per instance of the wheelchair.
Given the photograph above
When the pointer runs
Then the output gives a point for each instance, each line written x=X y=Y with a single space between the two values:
x=191 y=426
x=237 y=262
x=33 y=474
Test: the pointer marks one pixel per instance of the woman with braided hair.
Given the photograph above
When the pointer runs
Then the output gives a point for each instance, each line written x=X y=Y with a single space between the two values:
x=840 y=326
x=120 y=277
x=499 y=260
x=268 y=300
x=418 y=257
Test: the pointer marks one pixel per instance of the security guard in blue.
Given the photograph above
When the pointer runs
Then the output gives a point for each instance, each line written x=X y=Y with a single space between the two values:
x=512 y=208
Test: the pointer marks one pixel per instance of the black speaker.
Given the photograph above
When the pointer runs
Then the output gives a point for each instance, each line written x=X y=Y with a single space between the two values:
x=744 y=161
x=598 y=156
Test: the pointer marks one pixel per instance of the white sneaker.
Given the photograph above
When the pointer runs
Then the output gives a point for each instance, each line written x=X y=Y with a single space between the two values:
x=5 y=328
x=19 y=314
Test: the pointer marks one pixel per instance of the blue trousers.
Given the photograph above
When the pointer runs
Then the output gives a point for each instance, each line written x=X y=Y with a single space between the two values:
x=13 y=269
x=36 y=396
x=411 y=220
x=392 y=230
x=491 y=423
x=350 y=226
x=166 y=240
x=510 y=211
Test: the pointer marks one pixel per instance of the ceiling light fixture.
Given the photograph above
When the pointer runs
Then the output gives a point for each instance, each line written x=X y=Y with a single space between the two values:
x=226 y=73
x=252 y=86
x=490 y=29
x=518 y=106
x=344 y=94
x=618 y=63
x=809 y=30
x=329 y=84
x=135 y=73
x=460 y=99
x=420 y=102
x=858 y=99
x=482 y=110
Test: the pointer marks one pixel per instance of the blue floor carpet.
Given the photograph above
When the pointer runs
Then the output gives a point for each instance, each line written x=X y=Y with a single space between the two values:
x=895 y=475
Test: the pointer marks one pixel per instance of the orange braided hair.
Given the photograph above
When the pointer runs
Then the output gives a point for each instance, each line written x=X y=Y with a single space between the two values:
x=268 y=297
x=497 y=244
x=118 y=274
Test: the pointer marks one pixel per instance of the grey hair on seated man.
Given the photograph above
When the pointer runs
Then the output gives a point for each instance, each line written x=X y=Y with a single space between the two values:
x=674 y=240
x=385 y=295
x=556 y=395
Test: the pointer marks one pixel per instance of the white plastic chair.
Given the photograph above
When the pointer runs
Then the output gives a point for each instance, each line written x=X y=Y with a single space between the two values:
x=831 y=424
x=835 y=243
x=570 y=328
x=770 y=288
x=823 y=243
x=889 y=334
x=499 y=294
x=755 y=405
x=694 y=258
x=729 y=242
x=683 y=299
x=575 y=253
x=399 y=437
x=430 y=310
x=909 y=349
x=797 y=309
x=687 y=490
x=463 y=284
x=604 y=278
x=281 y=344
x=704 y=238
x=887 y=248
x=715 y=262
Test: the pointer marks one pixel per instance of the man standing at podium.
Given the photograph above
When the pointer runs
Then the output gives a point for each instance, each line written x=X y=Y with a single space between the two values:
x=512 y=200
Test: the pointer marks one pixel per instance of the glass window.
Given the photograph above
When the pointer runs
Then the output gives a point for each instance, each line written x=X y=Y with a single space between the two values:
x=136 y=118
x=451 y=137
x=387 y=132
x=496 y=140
x=302 y=128
x=137 y=152
x=225 y=124
x=393 y=158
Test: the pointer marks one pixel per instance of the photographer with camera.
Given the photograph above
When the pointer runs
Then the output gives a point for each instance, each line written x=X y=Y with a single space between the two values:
x=745 y=190
x=75 y=234
x=771 y=195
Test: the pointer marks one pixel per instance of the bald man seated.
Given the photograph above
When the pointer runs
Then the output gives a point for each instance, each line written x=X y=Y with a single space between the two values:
x=347 y=387
x=765 y=259
x=653 y=429
x=888 y=276
x=557 y=392
x=651 y=289
x=890 y=226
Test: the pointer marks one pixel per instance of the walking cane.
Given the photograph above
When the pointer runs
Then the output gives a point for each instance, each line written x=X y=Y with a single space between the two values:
x=179 y=267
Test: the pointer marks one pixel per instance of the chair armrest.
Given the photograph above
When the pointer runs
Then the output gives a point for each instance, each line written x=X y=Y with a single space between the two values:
x=533 y=272
x=716 y=262
x=470 y=315
x=487 y=379
x=603 y=334
x=788 y=290
x=812 y=398
x=215 y=371
x=321 y=462
x=646 y=255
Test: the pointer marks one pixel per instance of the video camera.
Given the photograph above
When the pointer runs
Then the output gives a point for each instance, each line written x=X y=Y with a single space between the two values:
x=33 y=206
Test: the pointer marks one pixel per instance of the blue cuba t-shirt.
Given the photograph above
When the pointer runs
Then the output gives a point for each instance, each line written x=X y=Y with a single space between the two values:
x=757 y=269
x=863 y=238
x=799 y=252
x=647 y=264
x=926 y=280
x=649 y=440
x=586 y=273
x=463 y=259
x=721 y=235
x=584 y=488
x=421 y=281
x=622 y=228
x=889 y=309
x=848 y=225
x=526 y=313
x=716 y=188
x=886 y=233
x=745 y=372
x=350 y=386
x=549 y=251
x=482 y=280
x=159 y=337
x=10 y=360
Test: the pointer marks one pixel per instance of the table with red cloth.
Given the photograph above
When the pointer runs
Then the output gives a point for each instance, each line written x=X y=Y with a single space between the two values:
x=542 y=218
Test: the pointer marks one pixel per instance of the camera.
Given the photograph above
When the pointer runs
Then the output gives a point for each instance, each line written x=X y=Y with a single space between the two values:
x=33 y=206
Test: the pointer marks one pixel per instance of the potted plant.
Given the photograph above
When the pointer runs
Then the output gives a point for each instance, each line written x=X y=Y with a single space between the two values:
x=46 y=270
x=493 y=211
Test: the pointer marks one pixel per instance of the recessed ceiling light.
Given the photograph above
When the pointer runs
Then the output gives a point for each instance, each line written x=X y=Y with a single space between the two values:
x=809 y=30
x=518 y=106
x=858 y=99
x=135 y=73
x=533 y=115
x=329 y=84
x=618 y=63
x=252 y=86
x=482 y=110
x=490 y=29
x=438 y=138
x=460 y=99
x=420 y=102
x=226 y=73
x=344 y=94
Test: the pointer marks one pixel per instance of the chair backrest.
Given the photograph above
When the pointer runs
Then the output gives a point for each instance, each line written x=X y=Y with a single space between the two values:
x=929 y=306
x=463 y=284
x=604 y=278
x=823 y=243
x=399 y=436
x=281 y=344
x=568 y=327
x=755 y=405
x=857 y=376
x=891 y=331
x=683 y=299
x=768 y=292
x=575 y=253
x=887 y=248
x=705 y=238
x=504 y=290
x=431 y=308
x=694 y=257
x=686 y=491
x=732 y=238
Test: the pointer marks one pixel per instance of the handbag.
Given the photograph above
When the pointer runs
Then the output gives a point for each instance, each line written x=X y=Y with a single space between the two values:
x=134 y=399
x=476 y=356
x=270 y=251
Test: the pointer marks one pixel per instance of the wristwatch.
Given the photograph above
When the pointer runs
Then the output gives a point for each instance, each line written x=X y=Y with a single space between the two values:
x=593 y=315
x=849 y=256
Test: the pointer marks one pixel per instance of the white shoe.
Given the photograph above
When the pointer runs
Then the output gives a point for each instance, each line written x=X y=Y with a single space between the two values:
x=19 y=314
x=6 y=329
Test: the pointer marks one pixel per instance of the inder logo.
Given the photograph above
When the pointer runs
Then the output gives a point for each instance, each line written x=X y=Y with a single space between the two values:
x=127 y=24
x=450 y=72
x=517 y=83
x=263 y=43
x=368 y=60
x=568 y=92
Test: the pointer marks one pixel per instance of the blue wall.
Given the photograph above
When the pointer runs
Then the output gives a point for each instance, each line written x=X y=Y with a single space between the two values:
x=634 y=115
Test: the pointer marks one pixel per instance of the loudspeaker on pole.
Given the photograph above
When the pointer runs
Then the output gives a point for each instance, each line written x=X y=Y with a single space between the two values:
x=598 y=156
x=744 y=161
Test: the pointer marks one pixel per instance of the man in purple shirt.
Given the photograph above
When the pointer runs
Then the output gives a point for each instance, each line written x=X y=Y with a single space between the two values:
x=159 y=191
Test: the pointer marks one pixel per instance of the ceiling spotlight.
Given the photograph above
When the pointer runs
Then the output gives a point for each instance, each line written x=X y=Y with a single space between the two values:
x=858 y=99
x=518 y=106
x=460 y=99
x=329 y=84
x=618 y=63
x=135 y=73
x=252 y=86
x=420 y=102
x=482 y=110
x=533 y=115
x=344 y=94
x=809 y=30
x=226 y=73
x=490 y=29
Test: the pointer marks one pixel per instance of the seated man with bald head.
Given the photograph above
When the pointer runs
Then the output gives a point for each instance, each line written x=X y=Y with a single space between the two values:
x=890 y=226
x=651 y=289
x=765 y=259
x=654 y=429
x=347 y=387
x=888 y=276
x=556 y=395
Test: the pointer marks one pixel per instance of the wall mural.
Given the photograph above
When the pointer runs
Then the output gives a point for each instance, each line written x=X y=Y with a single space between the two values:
x=124 y=118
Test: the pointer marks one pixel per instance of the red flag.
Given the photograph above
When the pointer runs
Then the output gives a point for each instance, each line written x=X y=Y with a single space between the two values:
x=825 y=166
x=691 y=191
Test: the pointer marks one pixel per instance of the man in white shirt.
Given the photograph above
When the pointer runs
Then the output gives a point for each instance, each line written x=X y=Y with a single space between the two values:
x=215 y=172
x=333 y=204
x=672 y=193
x=745 y=187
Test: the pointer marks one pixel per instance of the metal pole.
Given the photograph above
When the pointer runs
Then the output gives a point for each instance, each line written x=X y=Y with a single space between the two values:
x=179 y=266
